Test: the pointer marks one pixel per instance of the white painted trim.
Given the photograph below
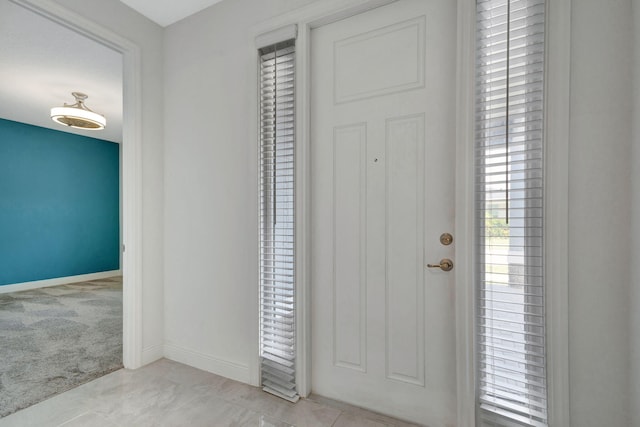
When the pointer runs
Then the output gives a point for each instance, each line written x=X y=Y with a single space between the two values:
x=307 y=17
x=254 y=356
x=131 y=165
x=224 y=368
x=303 y=219
x=464 y=217
x=254 y=123
x=318 y=14
x=37 y=284
x=556 y=232
x=153 y=353
x=132 y=209
x=276 y=36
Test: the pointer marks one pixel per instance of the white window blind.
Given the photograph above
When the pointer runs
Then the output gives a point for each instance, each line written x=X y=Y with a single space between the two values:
x=277 y=231
x=511 y=380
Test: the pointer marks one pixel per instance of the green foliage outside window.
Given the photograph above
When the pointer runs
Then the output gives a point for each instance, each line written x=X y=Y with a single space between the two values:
x=494 y=225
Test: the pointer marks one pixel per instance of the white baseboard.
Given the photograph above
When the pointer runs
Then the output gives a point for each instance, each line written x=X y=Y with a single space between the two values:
x=58 y=281
x=224 y=368
x=153 y=353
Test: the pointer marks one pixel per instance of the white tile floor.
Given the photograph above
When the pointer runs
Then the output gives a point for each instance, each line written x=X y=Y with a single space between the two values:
x=167 y=393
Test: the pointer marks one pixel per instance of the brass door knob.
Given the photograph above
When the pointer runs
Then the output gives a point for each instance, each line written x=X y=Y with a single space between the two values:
x=445 y=265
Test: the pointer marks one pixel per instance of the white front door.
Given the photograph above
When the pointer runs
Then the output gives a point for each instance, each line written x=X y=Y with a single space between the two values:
x=383 y=147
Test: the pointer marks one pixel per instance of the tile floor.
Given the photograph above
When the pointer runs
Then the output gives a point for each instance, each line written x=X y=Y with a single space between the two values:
x=167 y=393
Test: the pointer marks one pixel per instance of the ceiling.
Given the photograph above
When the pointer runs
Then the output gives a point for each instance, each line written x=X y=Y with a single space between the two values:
x=166 y=12
x=43 y=62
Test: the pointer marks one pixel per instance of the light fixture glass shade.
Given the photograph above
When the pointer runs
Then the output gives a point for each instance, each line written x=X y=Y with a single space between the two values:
x=78 y=115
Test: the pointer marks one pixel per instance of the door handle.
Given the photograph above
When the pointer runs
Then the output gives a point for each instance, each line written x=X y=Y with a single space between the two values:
x=445 y=265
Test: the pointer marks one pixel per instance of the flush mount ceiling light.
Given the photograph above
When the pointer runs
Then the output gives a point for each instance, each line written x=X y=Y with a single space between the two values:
x=78 y=115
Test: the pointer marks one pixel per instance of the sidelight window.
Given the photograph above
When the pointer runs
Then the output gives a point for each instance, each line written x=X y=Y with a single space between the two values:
x=510 y=332
x=277 y=219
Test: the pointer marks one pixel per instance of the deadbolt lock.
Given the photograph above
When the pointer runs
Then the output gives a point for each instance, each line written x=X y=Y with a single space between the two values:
x=446 y=239
x=445 y=265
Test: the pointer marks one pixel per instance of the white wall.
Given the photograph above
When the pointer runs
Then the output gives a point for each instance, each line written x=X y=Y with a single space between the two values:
x=211 y=185
x=599 y=191
x=123 y=21
x=635 y=225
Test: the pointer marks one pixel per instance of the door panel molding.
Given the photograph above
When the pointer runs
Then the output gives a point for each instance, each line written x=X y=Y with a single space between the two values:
x=404 y=142
x=350 y=296
x=348 y=51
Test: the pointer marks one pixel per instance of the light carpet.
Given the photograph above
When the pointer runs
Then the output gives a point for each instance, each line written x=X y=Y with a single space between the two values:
x=56 y=338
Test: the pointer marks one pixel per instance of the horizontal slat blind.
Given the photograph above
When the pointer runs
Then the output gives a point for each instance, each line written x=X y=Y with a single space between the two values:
x=277 y=258
x=511 y=357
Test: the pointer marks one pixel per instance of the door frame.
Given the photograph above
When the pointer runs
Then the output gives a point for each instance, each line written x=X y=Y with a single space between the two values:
x=556 y=202
x=308 y=18
x=131 y=165
x=556 y=250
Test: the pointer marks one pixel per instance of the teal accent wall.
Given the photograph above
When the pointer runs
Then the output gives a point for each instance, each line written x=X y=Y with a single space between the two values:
x=59 y=204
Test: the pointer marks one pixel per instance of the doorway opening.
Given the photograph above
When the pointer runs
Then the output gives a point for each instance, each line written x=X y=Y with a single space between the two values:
x=130 y=221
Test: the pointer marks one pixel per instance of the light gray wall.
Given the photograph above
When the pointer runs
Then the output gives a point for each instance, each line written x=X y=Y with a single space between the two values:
x=115 y=16
x=635 y=225
x=599 y=217
x=211 y=233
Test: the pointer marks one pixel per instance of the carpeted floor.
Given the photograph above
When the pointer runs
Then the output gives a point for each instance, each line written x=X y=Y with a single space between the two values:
x=53 y=339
